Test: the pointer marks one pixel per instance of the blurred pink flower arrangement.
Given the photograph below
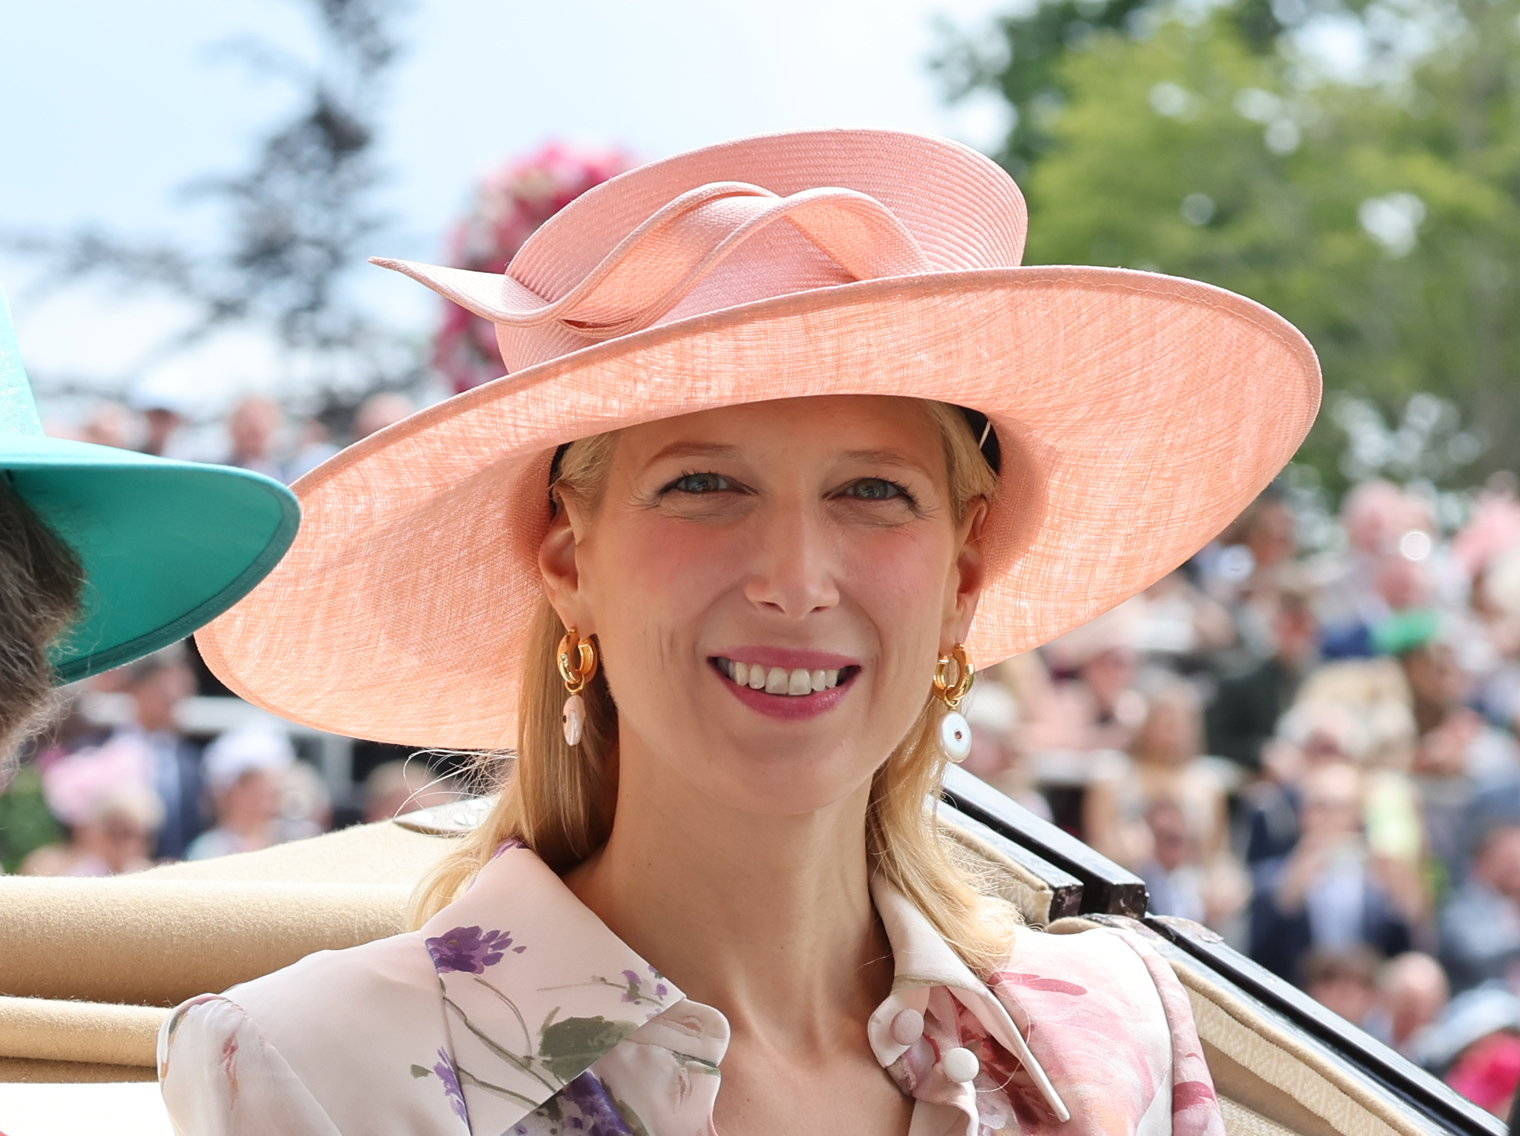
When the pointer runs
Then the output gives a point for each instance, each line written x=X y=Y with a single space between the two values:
x=507 y=207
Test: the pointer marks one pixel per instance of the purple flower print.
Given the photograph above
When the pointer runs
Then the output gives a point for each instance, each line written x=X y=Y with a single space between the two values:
x=469 y=949
x=633 y=989
x=589 y=1096
x=450 y=1078
x=509 y=842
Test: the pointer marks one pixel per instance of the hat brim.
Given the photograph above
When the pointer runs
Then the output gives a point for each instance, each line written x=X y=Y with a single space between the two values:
x=165 y=545
x=1138 y=415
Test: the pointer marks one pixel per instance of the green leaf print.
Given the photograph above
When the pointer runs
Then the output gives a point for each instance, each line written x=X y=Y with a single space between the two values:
x=571 y=1046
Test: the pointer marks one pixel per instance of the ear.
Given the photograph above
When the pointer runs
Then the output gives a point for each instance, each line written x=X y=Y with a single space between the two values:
x=558 y=566
x=964 y=587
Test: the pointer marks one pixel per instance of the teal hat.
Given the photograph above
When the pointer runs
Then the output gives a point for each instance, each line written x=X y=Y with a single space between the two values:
x=165 y=545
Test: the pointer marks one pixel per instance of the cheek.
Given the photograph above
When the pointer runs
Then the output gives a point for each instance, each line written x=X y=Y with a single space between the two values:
x=898 y=579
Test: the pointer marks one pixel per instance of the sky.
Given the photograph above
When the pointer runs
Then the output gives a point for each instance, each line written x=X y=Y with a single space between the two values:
x=112 y=106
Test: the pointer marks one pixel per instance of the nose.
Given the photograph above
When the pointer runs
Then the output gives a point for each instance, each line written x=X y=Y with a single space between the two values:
x=795 y=562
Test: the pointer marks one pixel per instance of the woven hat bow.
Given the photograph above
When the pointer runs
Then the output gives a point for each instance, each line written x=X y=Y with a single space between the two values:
x=666 y=257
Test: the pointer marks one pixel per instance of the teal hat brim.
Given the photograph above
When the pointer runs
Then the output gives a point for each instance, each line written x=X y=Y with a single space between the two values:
x=165 y=545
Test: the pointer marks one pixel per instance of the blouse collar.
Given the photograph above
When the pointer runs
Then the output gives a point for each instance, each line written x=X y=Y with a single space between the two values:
x=536 y=989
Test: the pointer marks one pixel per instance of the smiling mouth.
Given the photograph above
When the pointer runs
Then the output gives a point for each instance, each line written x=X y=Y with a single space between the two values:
x=793 y=682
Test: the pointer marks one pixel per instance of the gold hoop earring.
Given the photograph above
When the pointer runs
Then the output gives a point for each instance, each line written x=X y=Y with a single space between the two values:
x=577 y=661
x=953 y=676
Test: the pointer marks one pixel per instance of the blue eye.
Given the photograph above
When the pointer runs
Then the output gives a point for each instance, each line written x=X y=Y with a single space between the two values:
x=877 y=489
x=699 y=483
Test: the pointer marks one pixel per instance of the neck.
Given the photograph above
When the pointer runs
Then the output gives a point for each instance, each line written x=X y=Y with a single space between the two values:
x=766 y=918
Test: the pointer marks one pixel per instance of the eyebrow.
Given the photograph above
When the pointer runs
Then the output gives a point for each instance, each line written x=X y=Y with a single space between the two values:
x=717 y=450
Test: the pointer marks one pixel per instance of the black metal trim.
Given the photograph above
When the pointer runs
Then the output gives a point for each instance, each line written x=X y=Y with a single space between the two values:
x=1106 y=887
x=1065 y=888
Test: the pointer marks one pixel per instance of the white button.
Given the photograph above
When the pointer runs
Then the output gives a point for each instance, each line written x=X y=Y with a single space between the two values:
x=907 y=1027
x=960 y=1065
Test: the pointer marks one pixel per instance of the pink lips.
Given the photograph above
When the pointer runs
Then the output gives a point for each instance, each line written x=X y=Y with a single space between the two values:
x=789 y=707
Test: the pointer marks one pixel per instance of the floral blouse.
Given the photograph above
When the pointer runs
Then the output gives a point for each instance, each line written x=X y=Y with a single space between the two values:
x=516 y=1012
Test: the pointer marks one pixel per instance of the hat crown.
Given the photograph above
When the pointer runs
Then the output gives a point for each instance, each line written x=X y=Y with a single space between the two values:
x=738 y=223
x=18 y=409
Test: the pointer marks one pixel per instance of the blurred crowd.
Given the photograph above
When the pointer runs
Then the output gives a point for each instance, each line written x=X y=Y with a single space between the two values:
x=1316 y=753
x=1313 y=751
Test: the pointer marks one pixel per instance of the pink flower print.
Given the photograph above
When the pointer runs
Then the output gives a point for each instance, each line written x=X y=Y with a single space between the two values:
x=469 y=949
x=229 y=1068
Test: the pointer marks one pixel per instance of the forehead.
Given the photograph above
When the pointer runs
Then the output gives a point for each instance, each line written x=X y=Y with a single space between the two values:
x=822 y=425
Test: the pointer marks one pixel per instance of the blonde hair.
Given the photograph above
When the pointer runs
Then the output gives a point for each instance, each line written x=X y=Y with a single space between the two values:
x=560 y=800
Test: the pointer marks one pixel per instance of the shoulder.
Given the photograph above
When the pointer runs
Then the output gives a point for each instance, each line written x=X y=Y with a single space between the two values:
x=368 y=986
x=323 y=1028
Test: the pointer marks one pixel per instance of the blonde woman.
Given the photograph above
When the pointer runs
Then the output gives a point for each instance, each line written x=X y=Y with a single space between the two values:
x=787 y=440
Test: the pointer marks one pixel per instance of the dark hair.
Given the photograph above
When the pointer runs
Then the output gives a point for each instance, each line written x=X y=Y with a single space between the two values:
x=40 y=586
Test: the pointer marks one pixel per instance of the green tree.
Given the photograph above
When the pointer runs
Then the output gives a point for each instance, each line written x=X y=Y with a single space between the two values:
x=1382 y=218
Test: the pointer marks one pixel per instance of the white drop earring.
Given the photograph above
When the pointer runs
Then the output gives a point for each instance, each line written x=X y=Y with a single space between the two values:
x=953 y=675
x=577 y=662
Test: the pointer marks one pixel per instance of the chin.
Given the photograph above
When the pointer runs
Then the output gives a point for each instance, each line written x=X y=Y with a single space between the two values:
x=786 y=780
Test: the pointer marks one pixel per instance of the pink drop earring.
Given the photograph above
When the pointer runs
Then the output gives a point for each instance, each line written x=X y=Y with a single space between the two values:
x=577 y=661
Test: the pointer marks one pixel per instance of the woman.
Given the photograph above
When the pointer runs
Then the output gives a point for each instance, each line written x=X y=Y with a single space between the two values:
x=107 y=555
x=709 y=558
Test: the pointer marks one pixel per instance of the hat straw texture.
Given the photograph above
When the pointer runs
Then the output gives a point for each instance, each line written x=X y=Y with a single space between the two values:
x=1137 y=413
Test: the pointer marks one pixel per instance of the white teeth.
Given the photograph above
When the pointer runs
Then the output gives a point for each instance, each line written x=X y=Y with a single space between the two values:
x=779 y=680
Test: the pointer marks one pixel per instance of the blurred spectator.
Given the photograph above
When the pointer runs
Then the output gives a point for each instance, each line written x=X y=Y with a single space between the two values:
x=110 y=424
x=1250 y=700
x=1412 y=994
x=1464 y=770
x=314 y=447
x=1374 y=515
x=164 y=414
x=1164 y=763
x=1094 y=703
x=1330 y=893
x=1181 y=881
x=1488 y=1073
x=400 y=787
x=253 y=433
x=1480 y=924
x=112 y=832
x=1345 y=983
x=997 y=756
x=156 y=686
x=1312 y=734
x=379 y=411
x=1496 y=611
x=247 y=772
x=1248 y=565
x=1182 y=625
x=305 y=802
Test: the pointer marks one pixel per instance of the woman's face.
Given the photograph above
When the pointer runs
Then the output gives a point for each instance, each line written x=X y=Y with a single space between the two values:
x=812 y=541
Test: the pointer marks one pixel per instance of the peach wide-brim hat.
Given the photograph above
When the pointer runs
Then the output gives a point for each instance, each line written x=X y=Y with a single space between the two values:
x=1136 y=413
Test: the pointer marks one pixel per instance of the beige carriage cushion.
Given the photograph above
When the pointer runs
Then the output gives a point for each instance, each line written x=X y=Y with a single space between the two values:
x=159 y=936
x=140 y=943
x=97 y=1033
x=1272 y=1074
